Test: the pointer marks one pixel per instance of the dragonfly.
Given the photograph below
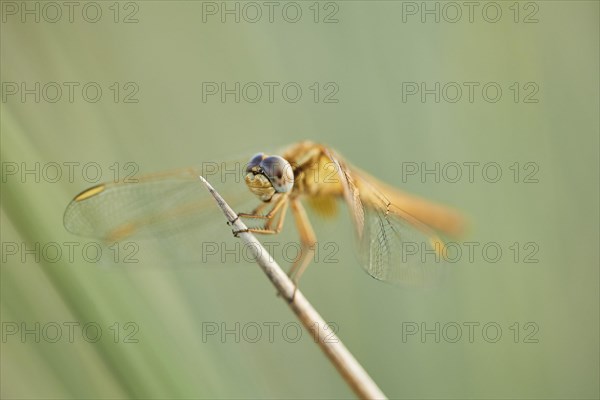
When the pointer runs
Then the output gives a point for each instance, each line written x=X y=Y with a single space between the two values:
x=396 y=232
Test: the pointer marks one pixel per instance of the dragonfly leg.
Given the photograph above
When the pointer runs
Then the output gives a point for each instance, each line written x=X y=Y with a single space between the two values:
x=308 y=242
x=256 y=213
x=279 y=210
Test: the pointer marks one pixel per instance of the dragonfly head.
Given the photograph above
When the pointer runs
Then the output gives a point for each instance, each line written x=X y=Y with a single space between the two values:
x=267 y=175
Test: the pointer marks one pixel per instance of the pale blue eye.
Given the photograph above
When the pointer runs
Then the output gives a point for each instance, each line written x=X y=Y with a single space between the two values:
x=279 y=172
x=254 y=161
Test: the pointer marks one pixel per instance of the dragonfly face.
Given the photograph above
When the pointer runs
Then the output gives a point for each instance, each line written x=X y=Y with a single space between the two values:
x=266 y=176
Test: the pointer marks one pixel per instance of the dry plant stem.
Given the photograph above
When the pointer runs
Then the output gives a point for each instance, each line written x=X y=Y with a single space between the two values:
x=354 y=374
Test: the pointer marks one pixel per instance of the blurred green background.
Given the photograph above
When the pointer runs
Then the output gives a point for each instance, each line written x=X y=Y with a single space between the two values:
x=549 y=48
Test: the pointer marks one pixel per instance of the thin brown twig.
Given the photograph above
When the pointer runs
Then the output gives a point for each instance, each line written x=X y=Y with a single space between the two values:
x=352 y=372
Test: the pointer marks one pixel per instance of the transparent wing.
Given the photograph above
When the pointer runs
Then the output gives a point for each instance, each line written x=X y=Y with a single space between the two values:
x=394 y=246
x=398 y=249
x=166 y=217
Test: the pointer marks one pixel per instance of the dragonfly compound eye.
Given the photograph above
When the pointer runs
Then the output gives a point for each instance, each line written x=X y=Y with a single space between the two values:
x=279 y=172
x=254 y=162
